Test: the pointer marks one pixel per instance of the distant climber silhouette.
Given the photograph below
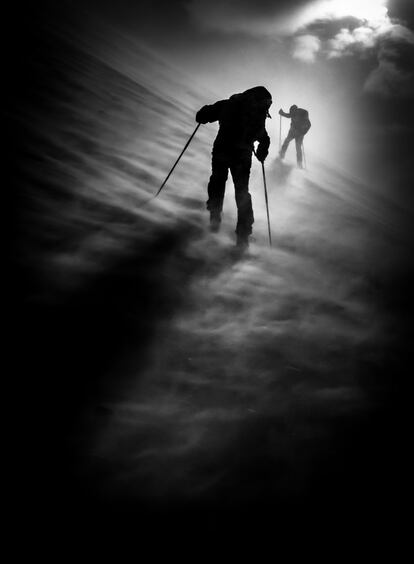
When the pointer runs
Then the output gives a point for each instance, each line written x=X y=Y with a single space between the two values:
x=299 y=126
x=242 y=120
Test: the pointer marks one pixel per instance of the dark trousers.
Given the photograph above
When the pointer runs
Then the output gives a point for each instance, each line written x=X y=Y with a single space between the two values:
x=299 y=142
x=239 y=166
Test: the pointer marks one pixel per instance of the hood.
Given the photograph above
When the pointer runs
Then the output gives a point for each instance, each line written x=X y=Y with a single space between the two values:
x=257 y=94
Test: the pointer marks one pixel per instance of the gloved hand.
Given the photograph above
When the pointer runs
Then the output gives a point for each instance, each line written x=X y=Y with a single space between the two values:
x=261 y=154
x=280 y=112
x=201 y=115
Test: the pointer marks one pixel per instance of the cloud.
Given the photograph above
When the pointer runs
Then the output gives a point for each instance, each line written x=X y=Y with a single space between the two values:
x=348 y=41
x=282 y=18
x=388 y=44
x=306 y=47
x=365 y=37
x=362 y=25
x=394 y=75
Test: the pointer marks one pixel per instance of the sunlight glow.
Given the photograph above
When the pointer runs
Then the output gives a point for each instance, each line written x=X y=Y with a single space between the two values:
x=374 y=12
x=370 y=10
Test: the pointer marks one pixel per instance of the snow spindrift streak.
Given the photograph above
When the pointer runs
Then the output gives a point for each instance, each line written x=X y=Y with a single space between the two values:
x=175 y=164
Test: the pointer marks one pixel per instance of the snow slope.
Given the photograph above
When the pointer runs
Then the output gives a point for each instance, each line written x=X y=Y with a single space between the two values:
x=171 y=369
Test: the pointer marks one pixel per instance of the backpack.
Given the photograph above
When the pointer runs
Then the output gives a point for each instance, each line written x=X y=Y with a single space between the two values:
x=301 y=121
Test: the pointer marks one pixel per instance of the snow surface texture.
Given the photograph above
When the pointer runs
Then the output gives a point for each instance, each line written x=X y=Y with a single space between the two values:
x=197 y=375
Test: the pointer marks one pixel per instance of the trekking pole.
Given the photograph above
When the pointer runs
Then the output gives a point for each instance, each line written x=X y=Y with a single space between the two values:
x=304 y=156
x=169 y=174
x=280 y=133
x=176 y=162
x=267 y=205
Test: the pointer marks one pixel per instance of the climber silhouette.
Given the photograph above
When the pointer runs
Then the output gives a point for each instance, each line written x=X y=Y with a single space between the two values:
x=299 y=126
x=242 y=120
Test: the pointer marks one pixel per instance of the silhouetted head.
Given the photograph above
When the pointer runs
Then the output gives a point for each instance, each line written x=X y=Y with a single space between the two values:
x=259 y=97
x=293 y=109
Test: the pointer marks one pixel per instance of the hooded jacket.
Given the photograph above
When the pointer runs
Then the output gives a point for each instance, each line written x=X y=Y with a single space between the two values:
x=242 y=120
